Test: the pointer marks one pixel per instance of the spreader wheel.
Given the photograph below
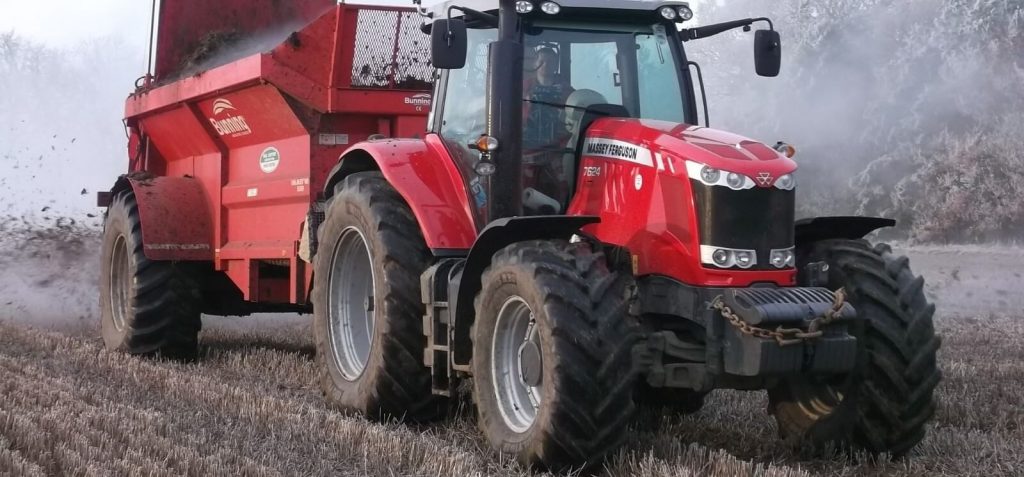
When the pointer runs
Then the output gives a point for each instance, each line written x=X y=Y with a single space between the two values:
x=883 y=405
x=368 y=317
x=147 y=307
x=551 y=355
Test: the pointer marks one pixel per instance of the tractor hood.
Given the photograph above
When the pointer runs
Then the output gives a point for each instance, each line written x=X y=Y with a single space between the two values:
x=674 y=143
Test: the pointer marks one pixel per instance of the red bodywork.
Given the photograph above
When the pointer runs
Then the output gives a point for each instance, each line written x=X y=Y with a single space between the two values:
x=240 y=151
x=649 y=207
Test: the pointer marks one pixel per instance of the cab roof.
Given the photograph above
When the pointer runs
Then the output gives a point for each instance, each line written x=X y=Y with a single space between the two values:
x=440 y=10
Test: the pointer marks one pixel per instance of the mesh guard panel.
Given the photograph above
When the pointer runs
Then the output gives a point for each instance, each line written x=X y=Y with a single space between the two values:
x=391 y=52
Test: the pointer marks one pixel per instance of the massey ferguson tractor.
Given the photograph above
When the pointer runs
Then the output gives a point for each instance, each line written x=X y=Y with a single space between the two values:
x=512 y=197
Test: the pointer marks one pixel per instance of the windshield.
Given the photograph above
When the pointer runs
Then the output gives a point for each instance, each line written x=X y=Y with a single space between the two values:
x=569 y=67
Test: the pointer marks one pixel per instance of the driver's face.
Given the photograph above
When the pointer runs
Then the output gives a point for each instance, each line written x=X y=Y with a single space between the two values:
x=546 y=63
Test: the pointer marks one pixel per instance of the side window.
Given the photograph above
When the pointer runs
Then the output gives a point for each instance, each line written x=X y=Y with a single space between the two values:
x=465 y=103
x=464 y=114
x=594 y=67
x=657 y=78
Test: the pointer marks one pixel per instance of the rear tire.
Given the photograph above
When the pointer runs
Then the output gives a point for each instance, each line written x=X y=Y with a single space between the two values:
x=368 y=317
x=883 y=405
x=146 y=307
x=559 y=304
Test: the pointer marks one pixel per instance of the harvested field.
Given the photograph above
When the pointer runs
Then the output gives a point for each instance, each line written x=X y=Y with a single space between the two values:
x=251 y=406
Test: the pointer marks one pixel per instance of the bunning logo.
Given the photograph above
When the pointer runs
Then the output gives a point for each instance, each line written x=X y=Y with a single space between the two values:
x=225 y=122
x=764 y=178
x=421 y=99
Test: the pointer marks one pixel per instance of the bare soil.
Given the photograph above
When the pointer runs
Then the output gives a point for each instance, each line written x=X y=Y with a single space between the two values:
x=251 y=406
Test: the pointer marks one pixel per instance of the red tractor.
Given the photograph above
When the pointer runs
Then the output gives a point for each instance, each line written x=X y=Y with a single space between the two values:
x=554 y=226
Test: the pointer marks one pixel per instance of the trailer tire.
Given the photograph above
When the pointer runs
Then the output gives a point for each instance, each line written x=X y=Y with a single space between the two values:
x=573 y=365
x=381 y=377
x=884 y=404
x=147 y=307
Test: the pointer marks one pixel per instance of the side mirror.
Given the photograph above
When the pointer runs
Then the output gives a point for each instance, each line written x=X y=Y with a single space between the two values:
x=448 y=44
x=767 y=52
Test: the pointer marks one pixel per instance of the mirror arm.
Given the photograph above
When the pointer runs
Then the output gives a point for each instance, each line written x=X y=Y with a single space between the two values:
x=475 y=15
x=714 y=29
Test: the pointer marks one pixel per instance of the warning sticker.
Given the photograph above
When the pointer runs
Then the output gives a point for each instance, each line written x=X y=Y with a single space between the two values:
x=618 y=150
x=270 y=159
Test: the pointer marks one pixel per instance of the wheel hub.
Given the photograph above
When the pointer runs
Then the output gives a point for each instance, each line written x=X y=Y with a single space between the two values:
x=517 y=364
x=530 y=370
x=351 y=309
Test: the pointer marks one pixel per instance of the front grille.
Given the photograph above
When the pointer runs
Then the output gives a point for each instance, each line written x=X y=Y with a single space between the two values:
x=758 y=219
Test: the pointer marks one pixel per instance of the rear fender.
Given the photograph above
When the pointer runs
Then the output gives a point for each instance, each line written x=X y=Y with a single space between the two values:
x=848 y=227
x=174 y=215
x=496 y=236
x=426 y=177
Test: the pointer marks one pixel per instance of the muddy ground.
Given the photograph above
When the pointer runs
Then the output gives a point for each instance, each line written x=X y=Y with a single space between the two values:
x=251 y=406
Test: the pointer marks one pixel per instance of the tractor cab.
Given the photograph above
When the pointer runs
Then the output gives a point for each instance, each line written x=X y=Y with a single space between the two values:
x=520 y=84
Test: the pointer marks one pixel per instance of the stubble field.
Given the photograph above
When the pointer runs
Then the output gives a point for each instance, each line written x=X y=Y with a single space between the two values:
x=251 y=406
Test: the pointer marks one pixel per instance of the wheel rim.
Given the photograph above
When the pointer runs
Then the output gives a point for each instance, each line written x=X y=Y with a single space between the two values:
x=351 y=320
x=514 y=331
x=120 y=283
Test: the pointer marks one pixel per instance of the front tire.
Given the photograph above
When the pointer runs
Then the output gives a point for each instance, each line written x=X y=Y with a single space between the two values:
x=883 y=405
x=368 y=323
x=552 y=355
x=147 y=307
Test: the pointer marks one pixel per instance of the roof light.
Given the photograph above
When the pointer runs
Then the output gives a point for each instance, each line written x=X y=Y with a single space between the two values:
x=523 y=6
x=551 y=8
x=667 y=13
x=685 y=13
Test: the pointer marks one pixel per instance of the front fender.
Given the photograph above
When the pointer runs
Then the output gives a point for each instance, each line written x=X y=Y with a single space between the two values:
x=174 y=214
x=426 y=177
x=842 y=227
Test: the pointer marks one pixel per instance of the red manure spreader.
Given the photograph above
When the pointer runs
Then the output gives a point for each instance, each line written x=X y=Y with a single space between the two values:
x=523 y=195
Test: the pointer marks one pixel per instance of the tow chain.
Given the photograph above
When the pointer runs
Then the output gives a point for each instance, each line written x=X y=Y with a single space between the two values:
x=784 y=336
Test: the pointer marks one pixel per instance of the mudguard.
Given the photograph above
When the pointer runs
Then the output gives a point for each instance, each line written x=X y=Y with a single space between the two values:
x=175 y=216
x=497 y=235
x=842 y=227
x=426 y=177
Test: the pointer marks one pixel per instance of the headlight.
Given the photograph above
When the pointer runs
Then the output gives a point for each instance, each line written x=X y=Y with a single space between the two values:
x=734 y=180
x=667 y=13
x=722 y=257
x=715 y=177
x=522 y=6
x=745 y=258
x=551 y=8
x=782 y=258
x=785 y=182
x=710 y=175
x=685 y=13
